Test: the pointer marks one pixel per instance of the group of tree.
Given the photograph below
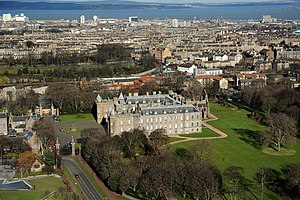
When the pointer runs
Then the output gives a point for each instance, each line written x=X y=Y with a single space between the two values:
x=134 y=164
x=21 y=103
x=71 y=98
x=281 y=111
x=115 y=59
x=145 y=167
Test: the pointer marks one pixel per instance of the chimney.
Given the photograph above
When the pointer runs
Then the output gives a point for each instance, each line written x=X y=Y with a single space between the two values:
x=129 y=94
x=147 y=93
x=135 y=94
x=154 y=92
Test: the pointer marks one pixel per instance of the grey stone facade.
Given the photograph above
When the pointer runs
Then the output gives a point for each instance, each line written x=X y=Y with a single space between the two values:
x=149 y=112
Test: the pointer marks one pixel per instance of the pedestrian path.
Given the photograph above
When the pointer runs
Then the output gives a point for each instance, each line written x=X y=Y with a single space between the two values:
x=205 y=124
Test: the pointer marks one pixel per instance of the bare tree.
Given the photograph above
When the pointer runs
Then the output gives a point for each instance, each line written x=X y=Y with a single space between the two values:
x=281 y=127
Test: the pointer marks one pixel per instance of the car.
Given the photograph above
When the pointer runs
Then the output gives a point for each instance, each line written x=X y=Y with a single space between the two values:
x=76 y=175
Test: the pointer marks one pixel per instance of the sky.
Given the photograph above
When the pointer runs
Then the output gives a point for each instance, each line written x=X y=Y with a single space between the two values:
x=202 y=1
x=180 y=1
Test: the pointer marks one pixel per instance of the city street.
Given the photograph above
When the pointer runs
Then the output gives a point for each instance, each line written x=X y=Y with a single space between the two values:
x=89 y=191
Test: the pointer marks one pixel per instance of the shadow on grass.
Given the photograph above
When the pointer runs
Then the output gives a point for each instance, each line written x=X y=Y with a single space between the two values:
x=253 y=138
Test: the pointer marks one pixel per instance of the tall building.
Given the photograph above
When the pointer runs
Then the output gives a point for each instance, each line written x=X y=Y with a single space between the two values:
x=268 y=19
x=175 y=23
x=82 y=19
x=6 y=17
x=21 y=18
x=3 y=124
x=133 y=19
x=150 y=112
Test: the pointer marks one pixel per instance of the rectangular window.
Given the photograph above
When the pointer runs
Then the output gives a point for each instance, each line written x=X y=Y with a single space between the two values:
x=155 y=119
x=187 y=117
x=141 y=121
x=181 y=117
x=147 y=120
x=121 y=122
x=175 y=125
x=129 y=121
x=192 y=117
x=160 y=119
x=170 y=126
x=151 y=119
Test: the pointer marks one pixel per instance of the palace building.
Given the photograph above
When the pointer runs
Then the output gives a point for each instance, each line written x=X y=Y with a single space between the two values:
x=149 y=112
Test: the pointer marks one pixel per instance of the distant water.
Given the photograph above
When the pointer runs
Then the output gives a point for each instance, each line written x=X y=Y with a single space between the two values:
x=285 y=12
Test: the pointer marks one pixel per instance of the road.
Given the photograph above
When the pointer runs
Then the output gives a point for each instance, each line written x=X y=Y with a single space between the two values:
x=89 y=191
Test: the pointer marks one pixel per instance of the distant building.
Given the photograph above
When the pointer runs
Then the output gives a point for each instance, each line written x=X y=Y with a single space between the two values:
x=133 y=19
x=175 y=23
x=3 y=124
x=150 y=112
x=6 y=17
x=250 y=80
x=21 y=18
x=189 y=68
x=82 y=19
x=268 y=19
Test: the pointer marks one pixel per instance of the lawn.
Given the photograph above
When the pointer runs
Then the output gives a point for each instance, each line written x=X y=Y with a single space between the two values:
x=173 y=139
x=205 y=133
x=76 y=117
x=42 y=186
x=242 y=146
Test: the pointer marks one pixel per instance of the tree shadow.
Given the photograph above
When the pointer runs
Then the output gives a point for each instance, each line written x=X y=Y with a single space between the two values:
x=254 y=138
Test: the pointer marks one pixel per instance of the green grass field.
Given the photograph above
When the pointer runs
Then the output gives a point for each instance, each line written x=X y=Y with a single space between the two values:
x=205 y=133
x=76 y=117
x=242 y=146
x=41 y=186
x=173 y=139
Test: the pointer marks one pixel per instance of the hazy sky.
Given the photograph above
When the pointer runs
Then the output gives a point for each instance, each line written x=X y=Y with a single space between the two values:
x=179 y=1
x=201 y=1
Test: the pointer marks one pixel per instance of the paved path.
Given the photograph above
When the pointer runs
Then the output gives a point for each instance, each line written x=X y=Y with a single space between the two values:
x=204 y=123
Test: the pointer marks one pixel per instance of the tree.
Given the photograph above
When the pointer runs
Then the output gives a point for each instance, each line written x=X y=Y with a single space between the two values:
x=248 y=95
x=158 y=137
x=233 y=180
x=265 y=176
x=203 y=180
x=280 y=127
x=45 y=132
x=133 y=142
x=291 y=174
x=25 y=161
x=130 y=177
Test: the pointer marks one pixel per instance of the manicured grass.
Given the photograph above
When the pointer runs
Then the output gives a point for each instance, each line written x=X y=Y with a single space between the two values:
x=205 y=133
x=76 y=117
x=173 y=139
x=41 y=186
x=90 y=177
x=242 y=146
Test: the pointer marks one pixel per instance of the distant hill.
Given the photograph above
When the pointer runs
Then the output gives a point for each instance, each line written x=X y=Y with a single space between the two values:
x=117 y=4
